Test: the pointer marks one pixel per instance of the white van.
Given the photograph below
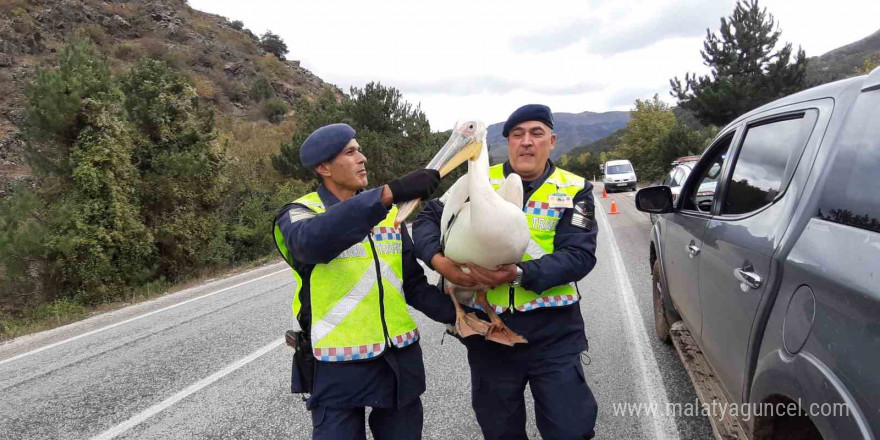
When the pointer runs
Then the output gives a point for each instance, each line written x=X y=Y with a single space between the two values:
x=619 y=174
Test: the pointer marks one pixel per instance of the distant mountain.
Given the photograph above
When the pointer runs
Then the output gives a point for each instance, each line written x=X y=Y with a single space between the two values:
x=607 y=143
x=572 y=130
x=841 y=62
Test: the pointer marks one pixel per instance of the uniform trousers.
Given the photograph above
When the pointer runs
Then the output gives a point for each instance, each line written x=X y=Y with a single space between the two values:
x=565 y=408
x=404 y=423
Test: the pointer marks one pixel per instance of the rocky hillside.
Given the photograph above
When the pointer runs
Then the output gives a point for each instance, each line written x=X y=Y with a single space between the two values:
x=572 y=130
x=224 y=60
x=841 y=62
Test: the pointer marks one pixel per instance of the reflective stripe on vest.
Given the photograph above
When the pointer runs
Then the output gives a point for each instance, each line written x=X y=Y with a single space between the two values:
x=542 y=221
x=344 y=324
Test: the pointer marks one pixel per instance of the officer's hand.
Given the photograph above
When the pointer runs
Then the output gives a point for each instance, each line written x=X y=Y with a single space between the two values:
x=503 y=275
x=418 y=184
x=451 y=271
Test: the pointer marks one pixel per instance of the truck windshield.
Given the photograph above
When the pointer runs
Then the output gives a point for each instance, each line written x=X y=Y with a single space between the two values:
x=619 y=169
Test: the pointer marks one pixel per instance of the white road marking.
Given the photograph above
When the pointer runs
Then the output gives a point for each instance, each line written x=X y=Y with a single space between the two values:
x=165 y=404
x=663 y=426
x=53 y=345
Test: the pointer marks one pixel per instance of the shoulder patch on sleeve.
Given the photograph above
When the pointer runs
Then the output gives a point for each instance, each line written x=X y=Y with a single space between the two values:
x=297 y=213
x=583 y=216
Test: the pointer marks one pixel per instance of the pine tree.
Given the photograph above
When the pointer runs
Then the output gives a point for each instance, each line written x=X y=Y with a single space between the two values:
x=94 y=242
x=649 y=121
x=273 y=44
x=182 y=168
x=747 y=70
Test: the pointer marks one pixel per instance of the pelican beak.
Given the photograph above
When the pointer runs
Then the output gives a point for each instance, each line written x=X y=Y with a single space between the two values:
x=455 y=152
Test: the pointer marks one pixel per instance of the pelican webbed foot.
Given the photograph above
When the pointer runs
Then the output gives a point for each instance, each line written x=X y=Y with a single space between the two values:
x=467 y=324
x=498 y=331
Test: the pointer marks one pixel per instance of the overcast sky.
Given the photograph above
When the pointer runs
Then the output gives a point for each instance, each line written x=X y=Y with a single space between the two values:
x=483 y=59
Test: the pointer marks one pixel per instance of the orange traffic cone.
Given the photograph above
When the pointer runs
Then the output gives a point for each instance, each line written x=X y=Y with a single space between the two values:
x=614 y=208
x=604 y=193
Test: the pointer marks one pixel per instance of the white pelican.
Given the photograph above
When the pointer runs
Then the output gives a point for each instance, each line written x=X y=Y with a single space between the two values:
x=479 y=225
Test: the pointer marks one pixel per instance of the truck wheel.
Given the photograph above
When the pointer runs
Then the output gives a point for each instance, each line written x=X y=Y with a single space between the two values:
x=661 y=317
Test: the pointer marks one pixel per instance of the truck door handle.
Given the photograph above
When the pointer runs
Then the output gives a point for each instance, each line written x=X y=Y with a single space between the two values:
x=693 y=250
x=747 y=276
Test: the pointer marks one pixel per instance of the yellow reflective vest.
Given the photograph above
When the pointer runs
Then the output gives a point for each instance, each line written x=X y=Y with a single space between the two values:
x=357 y=301
x=542 y=219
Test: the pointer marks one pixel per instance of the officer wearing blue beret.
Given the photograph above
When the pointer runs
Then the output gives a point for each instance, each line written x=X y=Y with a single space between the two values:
x=538 y=296
x=355 y=270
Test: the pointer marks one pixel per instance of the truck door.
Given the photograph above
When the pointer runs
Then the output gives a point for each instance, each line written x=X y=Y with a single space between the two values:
x=749 y=220
x=683 y=234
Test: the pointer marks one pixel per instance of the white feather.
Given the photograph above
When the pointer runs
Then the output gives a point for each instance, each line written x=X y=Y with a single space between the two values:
x=490 y=229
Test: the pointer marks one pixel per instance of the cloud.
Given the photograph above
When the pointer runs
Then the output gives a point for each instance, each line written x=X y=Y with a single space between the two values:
x=492 y=85
x=684 y=18
x=627 y=97
x=557 y=37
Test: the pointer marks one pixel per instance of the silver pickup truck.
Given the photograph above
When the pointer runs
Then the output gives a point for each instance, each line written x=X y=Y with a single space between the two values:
x=773 y=276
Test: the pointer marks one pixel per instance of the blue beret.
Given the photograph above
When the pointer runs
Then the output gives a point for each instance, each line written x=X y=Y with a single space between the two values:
x=324 y=144
x=529 y=112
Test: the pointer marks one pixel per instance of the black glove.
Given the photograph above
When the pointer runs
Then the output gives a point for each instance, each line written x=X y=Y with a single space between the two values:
x=418 y=184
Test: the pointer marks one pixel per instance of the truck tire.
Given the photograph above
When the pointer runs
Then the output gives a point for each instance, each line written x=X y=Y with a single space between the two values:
x=662 y=320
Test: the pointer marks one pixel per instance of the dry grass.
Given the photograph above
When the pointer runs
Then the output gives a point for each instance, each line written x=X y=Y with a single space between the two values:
x=128 y=51
x=203 y=26
x=253 y=141
x=95 y=33
x=238 y=41
x=124 y=10
x=273 y=68
x=8 y=6
x=204 y=86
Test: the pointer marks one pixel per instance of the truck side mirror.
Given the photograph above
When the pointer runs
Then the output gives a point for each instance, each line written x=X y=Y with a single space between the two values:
x=654 y=200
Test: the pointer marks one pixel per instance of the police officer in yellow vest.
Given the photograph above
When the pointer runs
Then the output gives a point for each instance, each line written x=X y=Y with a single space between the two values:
x=355 y=274
x=537 y=298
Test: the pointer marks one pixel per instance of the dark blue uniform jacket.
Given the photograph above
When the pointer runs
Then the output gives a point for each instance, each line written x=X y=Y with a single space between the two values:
x=398 y=376
x=551 y=331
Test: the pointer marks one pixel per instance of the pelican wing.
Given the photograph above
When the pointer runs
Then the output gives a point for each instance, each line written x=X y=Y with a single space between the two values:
x=453 y=201
x=511 y=190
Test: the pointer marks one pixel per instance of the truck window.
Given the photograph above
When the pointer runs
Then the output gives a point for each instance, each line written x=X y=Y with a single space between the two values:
x=701 y=196
x=852 y=189
x=678 y=177
x=767 y=159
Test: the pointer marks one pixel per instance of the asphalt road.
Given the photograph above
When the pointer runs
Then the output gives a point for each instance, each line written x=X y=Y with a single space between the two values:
x=209 y=362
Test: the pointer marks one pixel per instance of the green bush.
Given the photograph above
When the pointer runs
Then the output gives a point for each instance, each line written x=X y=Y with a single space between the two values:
x=237 y=25
x=274 y=110
x=55 y=99
x=250 y=221
x=182 y=167
x=23 y=268
x=97 y=235
x=131 y=182
x=261 y=89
